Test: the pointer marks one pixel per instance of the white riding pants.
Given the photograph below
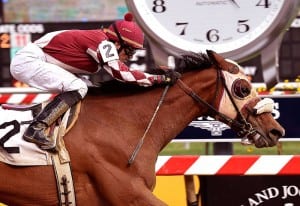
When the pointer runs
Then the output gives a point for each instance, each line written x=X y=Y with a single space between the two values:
x=29 y=66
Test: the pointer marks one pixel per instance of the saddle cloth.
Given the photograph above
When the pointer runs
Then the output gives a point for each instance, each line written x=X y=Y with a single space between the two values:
x=15 y=151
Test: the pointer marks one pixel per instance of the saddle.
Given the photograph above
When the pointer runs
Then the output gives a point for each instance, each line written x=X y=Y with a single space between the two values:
x=57 y=130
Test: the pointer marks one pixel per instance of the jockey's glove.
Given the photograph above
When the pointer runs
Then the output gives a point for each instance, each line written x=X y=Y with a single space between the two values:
x=170 y=77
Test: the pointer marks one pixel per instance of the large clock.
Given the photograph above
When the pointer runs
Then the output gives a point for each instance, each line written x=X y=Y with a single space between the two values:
x=237 y=29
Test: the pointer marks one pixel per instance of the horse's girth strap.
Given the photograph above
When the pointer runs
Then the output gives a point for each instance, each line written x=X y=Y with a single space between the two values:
x=64 y=181
x=62 y=168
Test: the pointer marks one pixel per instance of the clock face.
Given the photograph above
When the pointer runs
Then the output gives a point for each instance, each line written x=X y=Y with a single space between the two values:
x=220 y=25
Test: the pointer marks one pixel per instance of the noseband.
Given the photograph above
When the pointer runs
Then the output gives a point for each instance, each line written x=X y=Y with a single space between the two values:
x=243 y=128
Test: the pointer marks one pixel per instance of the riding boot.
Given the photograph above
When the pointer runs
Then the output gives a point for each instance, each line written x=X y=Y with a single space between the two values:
x=35 y=132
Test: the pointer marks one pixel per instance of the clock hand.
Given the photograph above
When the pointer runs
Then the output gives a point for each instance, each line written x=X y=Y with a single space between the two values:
x=234 y=2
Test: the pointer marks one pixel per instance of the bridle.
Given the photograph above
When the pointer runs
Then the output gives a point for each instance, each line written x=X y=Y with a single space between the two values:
x=240 y=124
x=243 y=128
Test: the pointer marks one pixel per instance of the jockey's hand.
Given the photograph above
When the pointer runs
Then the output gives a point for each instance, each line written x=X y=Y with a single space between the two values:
x=171 y=77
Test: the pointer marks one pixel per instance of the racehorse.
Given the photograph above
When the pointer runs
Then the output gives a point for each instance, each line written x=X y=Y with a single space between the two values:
x=109 y=168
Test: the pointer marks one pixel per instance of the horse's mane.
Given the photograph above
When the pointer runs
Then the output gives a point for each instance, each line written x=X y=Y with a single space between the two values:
x=188 y=61
x=184 y=63
x=191 y=61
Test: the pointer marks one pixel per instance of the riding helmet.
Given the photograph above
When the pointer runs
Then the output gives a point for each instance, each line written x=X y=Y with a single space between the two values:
x=129 y=31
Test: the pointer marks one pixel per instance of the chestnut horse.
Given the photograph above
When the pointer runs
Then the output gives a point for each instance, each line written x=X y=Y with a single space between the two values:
x=112 y=123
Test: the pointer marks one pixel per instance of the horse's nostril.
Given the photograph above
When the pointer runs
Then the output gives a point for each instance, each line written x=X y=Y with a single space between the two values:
x=276 y=133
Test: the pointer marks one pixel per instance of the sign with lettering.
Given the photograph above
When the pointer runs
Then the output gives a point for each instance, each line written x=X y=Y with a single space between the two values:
x=250 y=190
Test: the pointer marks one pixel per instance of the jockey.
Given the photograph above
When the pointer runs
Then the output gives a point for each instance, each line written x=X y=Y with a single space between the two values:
x=54 y=61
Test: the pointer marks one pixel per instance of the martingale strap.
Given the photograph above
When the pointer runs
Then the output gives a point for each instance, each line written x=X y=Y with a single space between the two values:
x=140 y=143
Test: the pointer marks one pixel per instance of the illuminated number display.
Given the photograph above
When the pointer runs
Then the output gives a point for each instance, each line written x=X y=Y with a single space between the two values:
x=14 y=40
x=4 y=41
x=19 y=40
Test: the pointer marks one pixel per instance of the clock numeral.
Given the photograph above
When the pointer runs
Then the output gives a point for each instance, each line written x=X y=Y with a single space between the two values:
x=159 y=6
x=213 y=35
x=183 y=25
x=264 y=3
x=242 y=26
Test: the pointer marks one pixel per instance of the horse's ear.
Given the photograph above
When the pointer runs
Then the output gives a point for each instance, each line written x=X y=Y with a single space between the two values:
x=213 y=57
x=216 y=58
x=221 y=63
x=210 y=54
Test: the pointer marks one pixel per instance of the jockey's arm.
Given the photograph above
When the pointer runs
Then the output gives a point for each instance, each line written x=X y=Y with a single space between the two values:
x=122 y=72
x=118 y=70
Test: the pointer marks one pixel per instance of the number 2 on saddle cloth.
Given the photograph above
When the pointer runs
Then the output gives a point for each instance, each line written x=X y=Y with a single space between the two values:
x=14 y=119
x=15 y=129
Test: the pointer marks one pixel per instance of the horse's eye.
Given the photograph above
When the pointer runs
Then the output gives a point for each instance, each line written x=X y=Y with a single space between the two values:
x=241 y=88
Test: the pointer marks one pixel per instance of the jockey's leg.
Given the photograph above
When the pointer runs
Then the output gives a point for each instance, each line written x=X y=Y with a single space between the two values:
x=30 y=66
x=59 y=105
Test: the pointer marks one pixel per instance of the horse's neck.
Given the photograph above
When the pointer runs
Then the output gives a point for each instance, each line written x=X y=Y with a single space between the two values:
x=179 y=109
x=127 y=117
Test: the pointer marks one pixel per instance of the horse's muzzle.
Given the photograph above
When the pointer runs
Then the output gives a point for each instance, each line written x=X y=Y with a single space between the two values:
x=261 y=141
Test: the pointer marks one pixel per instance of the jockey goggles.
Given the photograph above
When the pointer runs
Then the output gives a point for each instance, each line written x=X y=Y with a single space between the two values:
x=129 y=51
